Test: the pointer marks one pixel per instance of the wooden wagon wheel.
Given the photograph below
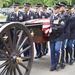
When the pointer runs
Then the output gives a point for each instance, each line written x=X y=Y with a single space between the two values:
x=17 y=49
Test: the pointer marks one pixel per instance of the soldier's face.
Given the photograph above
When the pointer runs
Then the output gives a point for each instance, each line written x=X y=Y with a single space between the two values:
x=44 y=10
x=62 y=8
x=15 y=8
x=56 y=10
x=27 y=8
x=68 y=11
x=37 y=9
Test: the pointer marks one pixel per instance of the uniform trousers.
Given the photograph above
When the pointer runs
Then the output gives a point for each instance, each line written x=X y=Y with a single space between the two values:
x=64 y=46
x=69 y=50
x=55 y=52
x=74 y=48
x=44 y=47
x=38 y=49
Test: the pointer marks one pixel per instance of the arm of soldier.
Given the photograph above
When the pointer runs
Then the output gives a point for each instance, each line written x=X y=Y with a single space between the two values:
x=62 y=24
x=34 y=15
x=66 y=17
x=63 y=21
x=50 y=30
x=52 y=26
x=8 y=19
x=72 y=22
x=24 y=15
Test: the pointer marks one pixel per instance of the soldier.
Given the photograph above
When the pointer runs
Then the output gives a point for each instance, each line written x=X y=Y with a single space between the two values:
x=71 y=37
x=16 y=15
x=56 y=37
x=74 y=39
x=44 y=10
x=66 y=32
x=44 y=44
x=39 y=15
x=28 y=14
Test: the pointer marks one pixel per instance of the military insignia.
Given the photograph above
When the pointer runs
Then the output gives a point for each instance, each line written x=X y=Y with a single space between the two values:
x=12 y=16
x=31 y=17
x=56 y=22
x=43 y=17
x=21 y=17
x=62 y=23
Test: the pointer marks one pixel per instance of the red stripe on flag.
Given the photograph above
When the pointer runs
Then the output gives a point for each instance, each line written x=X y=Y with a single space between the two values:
x=46 y=23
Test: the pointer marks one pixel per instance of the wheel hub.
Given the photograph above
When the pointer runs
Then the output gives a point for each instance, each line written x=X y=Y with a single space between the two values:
x=16 y=59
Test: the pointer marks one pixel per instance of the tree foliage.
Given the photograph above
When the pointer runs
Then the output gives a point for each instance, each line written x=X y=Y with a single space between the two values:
x=33 y=2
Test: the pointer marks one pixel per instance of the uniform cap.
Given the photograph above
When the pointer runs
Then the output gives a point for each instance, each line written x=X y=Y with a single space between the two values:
x=16 y=4
x=38 y=5
x=44 y=7
x=27 y=4
x=56 y=6
x=68 y=7
x=62 y=3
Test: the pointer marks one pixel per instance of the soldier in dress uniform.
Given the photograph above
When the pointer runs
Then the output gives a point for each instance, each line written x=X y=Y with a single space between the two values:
x=45 y=44
x=56 y=36
x=39 y=15
x=74 y=39
x=44 y=9
x=71 y=37
x=66 y=32
x=73 y=12
x=16 y=15
x=28 y=14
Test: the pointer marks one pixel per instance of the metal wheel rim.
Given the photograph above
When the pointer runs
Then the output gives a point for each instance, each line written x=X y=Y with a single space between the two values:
x=8 y=68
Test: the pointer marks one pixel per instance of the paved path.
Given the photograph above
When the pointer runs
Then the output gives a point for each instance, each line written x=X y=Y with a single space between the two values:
x=42 y=67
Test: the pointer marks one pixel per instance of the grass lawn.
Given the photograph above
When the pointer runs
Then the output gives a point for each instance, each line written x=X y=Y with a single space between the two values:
x=3 y=17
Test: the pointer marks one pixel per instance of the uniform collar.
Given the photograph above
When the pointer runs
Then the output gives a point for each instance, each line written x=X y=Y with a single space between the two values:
x=16 y=13
x=56 y=14
x=28 y=12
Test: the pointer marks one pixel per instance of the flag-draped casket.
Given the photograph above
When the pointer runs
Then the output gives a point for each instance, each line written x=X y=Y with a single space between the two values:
x=39 y=29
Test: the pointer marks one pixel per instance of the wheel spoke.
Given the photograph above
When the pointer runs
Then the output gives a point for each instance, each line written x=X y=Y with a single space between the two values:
x=4 y=70
x=18 y=69
x=27 y=48
x=11 y=71
x=23 y=42
x=8 y=71
x=19 y=39
x=3 y=59
x=5 y=63
x=10 y=40
x=25 y=58
x=5 y=45
x=14 y=70
x=14 y=38
x=23 y=66
x=3 y=52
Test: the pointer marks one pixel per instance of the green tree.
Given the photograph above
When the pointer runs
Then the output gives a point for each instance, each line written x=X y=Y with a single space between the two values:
x=73 y=2
x=33 y=2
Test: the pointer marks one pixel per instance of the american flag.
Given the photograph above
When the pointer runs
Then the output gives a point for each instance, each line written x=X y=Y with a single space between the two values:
x=45 y=25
